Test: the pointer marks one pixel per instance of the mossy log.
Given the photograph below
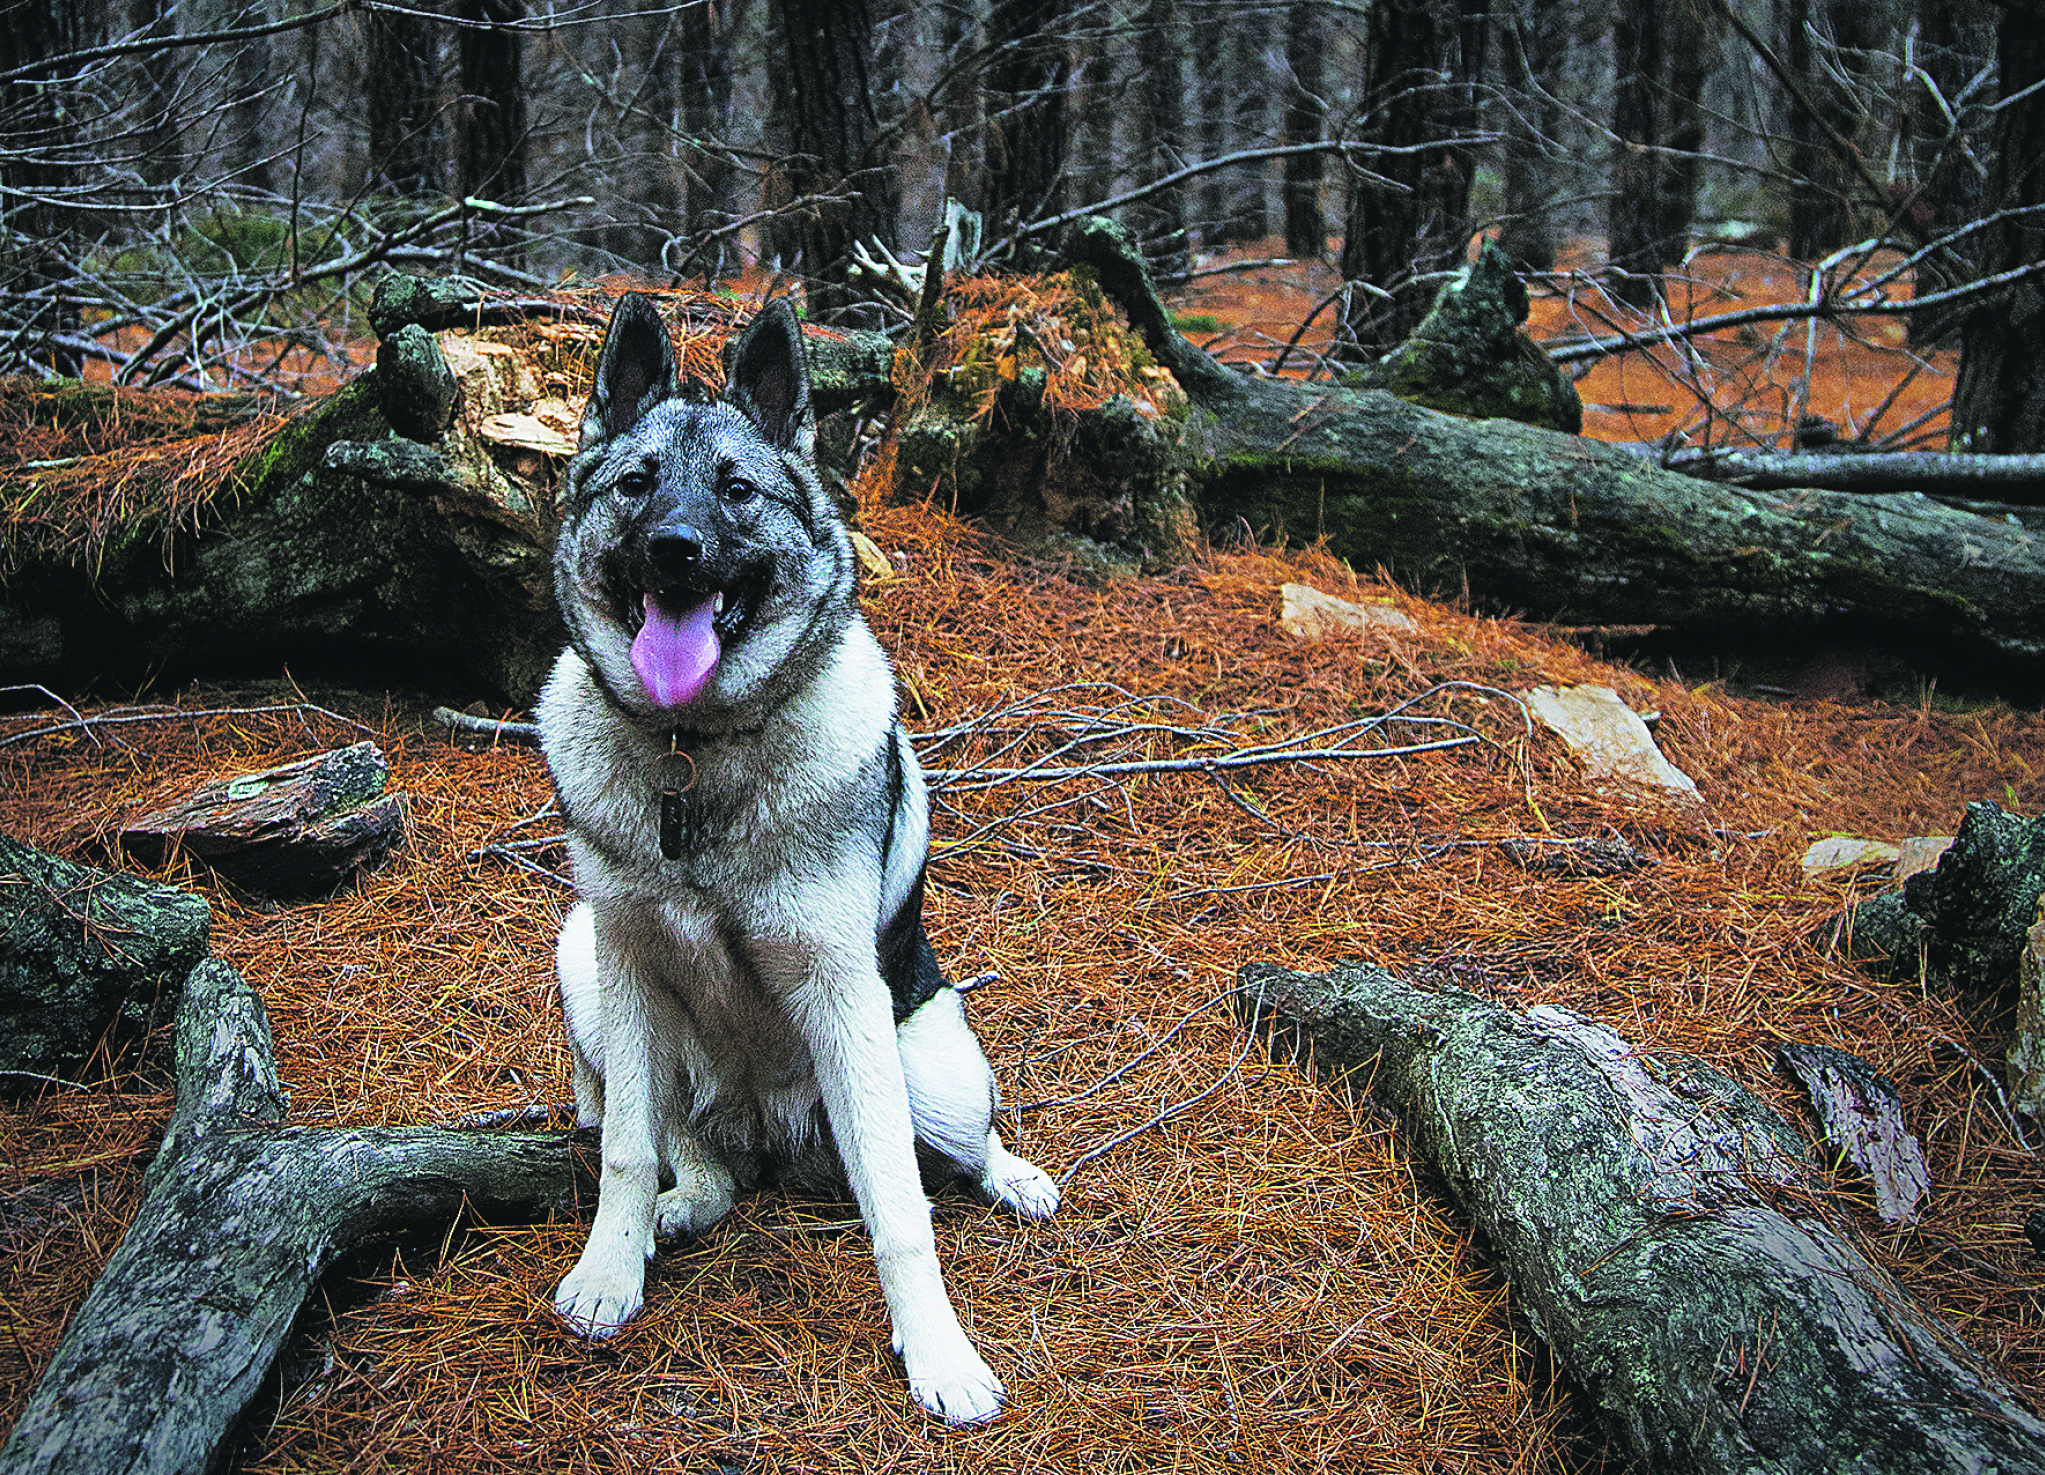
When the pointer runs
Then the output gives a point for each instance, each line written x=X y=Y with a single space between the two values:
x=1576 y=531
x=1657 y=1226
x=240 y=1216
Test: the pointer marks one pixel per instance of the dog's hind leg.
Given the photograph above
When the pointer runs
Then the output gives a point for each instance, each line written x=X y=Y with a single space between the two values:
x=703 y=1188
x=952 y=1100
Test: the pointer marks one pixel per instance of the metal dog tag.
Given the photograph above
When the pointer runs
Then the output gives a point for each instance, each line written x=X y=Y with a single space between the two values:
x=674 y=774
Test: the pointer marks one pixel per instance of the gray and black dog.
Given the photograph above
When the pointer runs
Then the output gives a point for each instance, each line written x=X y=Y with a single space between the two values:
x=749 y=992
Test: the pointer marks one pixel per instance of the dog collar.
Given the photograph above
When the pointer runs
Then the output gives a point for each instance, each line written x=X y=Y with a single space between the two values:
x=674 y=777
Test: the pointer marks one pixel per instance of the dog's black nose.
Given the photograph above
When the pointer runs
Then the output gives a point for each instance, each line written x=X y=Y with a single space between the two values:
x=675 y=549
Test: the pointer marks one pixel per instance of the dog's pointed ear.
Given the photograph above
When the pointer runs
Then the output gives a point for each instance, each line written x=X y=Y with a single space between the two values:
x=767 y=378
x=635 y=371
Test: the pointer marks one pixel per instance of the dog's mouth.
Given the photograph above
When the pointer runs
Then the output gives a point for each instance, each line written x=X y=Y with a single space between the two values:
x=679 y=634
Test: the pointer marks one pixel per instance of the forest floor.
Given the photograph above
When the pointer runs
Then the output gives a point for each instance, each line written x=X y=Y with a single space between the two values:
x=1262 y=1279
x=1262 y=1276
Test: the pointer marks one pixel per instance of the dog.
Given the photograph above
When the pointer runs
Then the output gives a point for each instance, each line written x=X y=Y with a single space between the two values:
x=750 y=995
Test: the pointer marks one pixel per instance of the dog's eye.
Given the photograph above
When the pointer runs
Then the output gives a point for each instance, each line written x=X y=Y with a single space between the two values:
x=634 y=483
x=736 y=490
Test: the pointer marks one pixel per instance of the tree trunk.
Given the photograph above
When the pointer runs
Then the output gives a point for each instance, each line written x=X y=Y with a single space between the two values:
x=1954 y=41
x=491 y=139
x=1306 y=228
x=1825 y=187
x=1531 y=48
x=1634 y=252
x=1160 y=221
x=401 y=84
x=155 y=116
x=35 y=170
x=1563 y=528
x=1420 y=68
x=2017 y=479
x=707 y=118
x=1999 y=400
x=1249 y=216
x=240 y=1216
x=836 y=158
x=1692 y=53
x=960 y=108
x=1023 y=176
x=1211 y=95
x=1642 y=1220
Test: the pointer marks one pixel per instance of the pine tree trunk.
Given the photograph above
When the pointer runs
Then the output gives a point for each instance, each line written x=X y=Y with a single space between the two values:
x=401 y=82
x=1531 y=49
x=1954 y=41
x=491 y=140
x=1160 y=221
x=1023 y=174
x=1250 y=205
x=33 y=171
x=1306 y=228
x=1632 y=217
x=1999 y=401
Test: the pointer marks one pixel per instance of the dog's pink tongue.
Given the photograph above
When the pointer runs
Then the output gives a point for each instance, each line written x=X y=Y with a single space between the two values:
x=675 y=651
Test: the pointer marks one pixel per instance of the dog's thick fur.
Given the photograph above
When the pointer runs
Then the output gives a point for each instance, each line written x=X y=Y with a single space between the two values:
x=764 y=1006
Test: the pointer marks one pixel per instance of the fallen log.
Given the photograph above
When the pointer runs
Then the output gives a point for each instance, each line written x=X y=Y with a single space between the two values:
x=1657 y=1225
x=240 y=1216
x=1579 y=532
x=1972 y=478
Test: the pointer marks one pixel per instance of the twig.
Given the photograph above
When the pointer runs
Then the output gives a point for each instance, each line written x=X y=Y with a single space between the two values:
x=493 y=727
x=169 y=714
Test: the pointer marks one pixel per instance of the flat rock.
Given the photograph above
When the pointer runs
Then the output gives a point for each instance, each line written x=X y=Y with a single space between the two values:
x=2025 y=1067
x=1305 y=613
x=1610 y=742
x=1920 y=853
x=1845 y=853
x=81 y=949
x=295 y=830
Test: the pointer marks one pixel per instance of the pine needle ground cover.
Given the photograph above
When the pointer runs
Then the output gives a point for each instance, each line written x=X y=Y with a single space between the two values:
x=1249 y=1270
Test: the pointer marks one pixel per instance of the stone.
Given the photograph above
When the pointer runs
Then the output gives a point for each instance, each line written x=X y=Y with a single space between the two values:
x=1469 y=355
x=81 y=950
x=873 y=562
x=1609 y=741
x=1305 y=613
x=295 y=830
x=1846 y=853
x=2025 y=1066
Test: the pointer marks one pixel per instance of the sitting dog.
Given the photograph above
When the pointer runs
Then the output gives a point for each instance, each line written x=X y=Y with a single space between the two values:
x=749 y=992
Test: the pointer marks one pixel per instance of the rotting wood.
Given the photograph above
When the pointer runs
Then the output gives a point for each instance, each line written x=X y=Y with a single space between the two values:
x=240 y=1216
x=1657 y=1224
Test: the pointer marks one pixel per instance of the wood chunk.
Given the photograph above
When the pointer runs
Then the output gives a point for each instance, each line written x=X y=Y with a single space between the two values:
x=1862 y=1116
x=2025 y=1067
x=294 y=830
x=1845 y=853
x=1919 y=853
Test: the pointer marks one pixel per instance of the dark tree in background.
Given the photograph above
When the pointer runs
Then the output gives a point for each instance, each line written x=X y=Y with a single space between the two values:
x=1423 y=62
x=1212 y=79
x=1306 y=229
x=1635 y=249
x=1999 y=401
x=401 y=85
x=1160 y=220
x=711 y=200
x=1249 y=217
x=959 y=105
x=36 y=177
x=1531 y=46
x=834 y=159
x=1946 y=189
x=1825 y=48
x=490 y=119
x=1023 y=170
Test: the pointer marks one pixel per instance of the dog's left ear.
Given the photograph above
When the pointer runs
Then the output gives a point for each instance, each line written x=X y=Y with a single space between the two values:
x=767 y=379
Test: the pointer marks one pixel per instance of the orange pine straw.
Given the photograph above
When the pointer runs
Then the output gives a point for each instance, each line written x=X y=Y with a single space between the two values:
x=1267 y=1280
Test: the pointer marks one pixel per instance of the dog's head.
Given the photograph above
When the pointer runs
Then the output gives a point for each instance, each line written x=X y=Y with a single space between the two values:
x=699 y=555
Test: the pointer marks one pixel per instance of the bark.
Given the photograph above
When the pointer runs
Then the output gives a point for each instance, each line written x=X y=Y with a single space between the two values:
x=1249 y=217
x=1212 y=92
x=241 y=1214
x=491 y=134
x=35 y=171
x=707 y=119
x=1573 y=530
x=1654 y=1224
x=1306 y=228
x=1824 y=118
x=1955 y=39
x=1999 y=399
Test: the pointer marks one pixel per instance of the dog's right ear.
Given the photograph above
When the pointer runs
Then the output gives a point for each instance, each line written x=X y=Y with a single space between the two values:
x=635 y=371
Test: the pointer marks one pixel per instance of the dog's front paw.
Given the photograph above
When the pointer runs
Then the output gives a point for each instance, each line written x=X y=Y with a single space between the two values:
x=595 y=1300
x=1017 y=1184
x=955 y=1384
